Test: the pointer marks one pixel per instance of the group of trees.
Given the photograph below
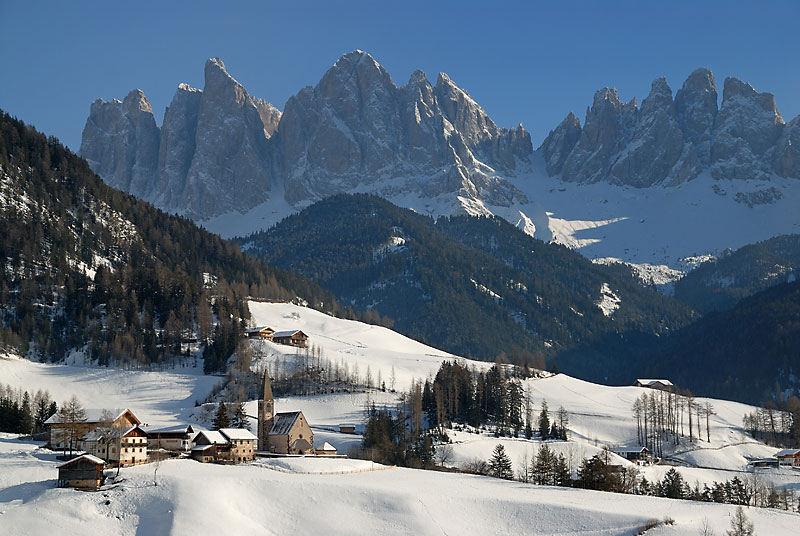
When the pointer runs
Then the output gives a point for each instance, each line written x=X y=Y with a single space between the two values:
x=663 y=416
x=776 y=425
x=388 y=439
x=22 y=413
x=459 y=393
x=231 y=418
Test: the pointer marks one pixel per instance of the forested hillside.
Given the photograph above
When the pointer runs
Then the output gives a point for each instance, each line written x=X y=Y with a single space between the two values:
x=86 y=265
x=473 y=286
x=720 y=284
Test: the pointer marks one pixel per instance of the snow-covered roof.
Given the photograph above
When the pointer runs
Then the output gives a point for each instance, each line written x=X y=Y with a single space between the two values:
x=237 y=433
x=212 y=436
x=651 y=382
x=286 y=333
x=327 y=446
x=88 y=457
x=629 y=449
x=787 y=452
x=201 y=447
x=178 y=428
x=96 y=415
x=259 y=329
x=284 y=422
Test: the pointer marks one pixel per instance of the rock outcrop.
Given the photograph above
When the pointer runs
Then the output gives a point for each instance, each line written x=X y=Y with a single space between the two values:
x=221 y=150
x=120 y=141
x=669 y=142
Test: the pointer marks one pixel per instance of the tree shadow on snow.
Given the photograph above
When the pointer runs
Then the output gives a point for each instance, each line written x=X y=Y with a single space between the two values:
x=26 y=491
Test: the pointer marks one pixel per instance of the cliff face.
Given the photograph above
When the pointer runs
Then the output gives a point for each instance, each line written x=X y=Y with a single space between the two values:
x=220 y=150
x=669 y=142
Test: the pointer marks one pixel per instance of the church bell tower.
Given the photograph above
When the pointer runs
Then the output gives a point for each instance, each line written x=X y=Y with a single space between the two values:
x=266 y=414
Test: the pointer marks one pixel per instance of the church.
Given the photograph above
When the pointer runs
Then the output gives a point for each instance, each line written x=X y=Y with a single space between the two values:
x=281 y=433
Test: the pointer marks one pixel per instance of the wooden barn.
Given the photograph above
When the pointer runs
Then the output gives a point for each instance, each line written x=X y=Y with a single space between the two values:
x=261 y=332
x=84 y=472
x=326 y=450
x=634 y=454
x=291 y=338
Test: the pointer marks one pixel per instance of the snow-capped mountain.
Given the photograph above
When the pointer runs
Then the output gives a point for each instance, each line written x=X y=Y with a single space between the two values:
x=237 y=164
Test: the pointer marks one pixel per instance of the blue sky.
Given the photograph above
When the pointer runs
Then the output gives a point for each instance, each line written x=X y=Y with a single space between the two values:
x=522 y=61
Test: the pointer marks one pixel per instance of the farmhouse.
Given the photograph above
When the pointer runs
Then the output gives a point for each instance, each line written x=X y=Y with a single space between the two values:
x=660 y=384
x=261 y=332
x=84 y=472
x=789 y=457
x=292 y=338
x=65 y=432
x=124 y=446
x=174 y=439
x=228 y=445
x=763 y=462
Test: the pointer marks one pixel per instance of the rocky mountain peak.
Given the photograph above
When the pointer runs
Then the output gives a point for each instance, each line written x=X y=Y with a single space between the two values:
x=136 y=101
x=660 y=96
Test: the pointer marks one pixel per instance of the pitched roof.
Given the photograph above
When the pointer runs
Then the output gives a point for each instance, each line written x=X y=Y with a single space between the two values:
x=88 y=457
x=788 y=452
x=237 y=433
x=651 y=382
x=288 y=333
x=284 y=422
x=182 y=428
x=259 y=329
x=327 y=446
x=96 y=415
x=108 y=432
x=212 y=436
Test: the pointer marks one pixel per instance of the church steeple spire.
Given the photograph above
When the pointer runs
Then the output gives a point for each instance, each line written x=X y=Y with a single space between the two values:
x=266 y=413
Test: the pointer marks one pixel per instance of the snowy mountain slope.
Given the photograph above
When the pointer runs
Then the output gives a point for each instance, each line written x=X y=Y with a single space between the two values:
x=249 y=498
x=395 y=500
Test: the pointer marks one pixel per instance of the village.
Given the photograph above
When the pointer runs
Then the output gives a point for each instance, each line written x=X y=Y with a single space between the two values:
x=102 y=438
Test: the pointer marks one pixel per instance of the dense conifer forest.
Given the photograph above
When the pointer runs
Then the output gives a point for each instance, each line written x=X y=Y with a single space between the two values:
x=472 y=286
x=86 y=266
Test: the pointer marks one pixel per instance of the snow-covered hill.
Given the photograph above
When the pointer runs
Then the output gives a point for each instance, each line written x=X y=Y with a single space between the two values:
x=278 y=499
x=194 y=498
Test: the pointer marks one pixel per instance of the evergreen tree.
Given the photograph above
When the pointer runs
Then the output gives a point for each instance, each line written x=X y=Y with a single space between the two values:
x=222 y=419
x=544 y=422
x=239 y=419
x=500 y=464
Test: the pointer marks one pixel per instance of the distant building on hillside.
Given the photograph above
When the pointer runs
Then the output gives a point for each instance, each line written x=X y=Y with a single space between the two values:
x=84 y=472
x=661 y=384
x=633 y=454
x=347 y=428
x=261 y=332
x=763 y=462
x=789 y=457
x=292 y=338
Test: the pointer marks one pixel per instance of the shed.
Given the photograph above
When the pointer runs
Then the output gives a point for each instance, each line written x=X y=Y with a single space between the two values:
x=326 y=450
x=347 y=428
x=84 y=472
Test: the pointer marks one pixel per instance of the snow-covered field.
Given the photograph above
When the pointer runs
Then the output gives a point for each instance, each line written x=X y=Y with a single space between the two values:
x=279 y=496
x=194 y=498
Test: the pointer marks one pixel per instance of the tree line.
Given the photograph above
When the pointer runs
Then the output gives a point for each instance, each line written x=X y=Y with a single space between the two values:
x=23 y=413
